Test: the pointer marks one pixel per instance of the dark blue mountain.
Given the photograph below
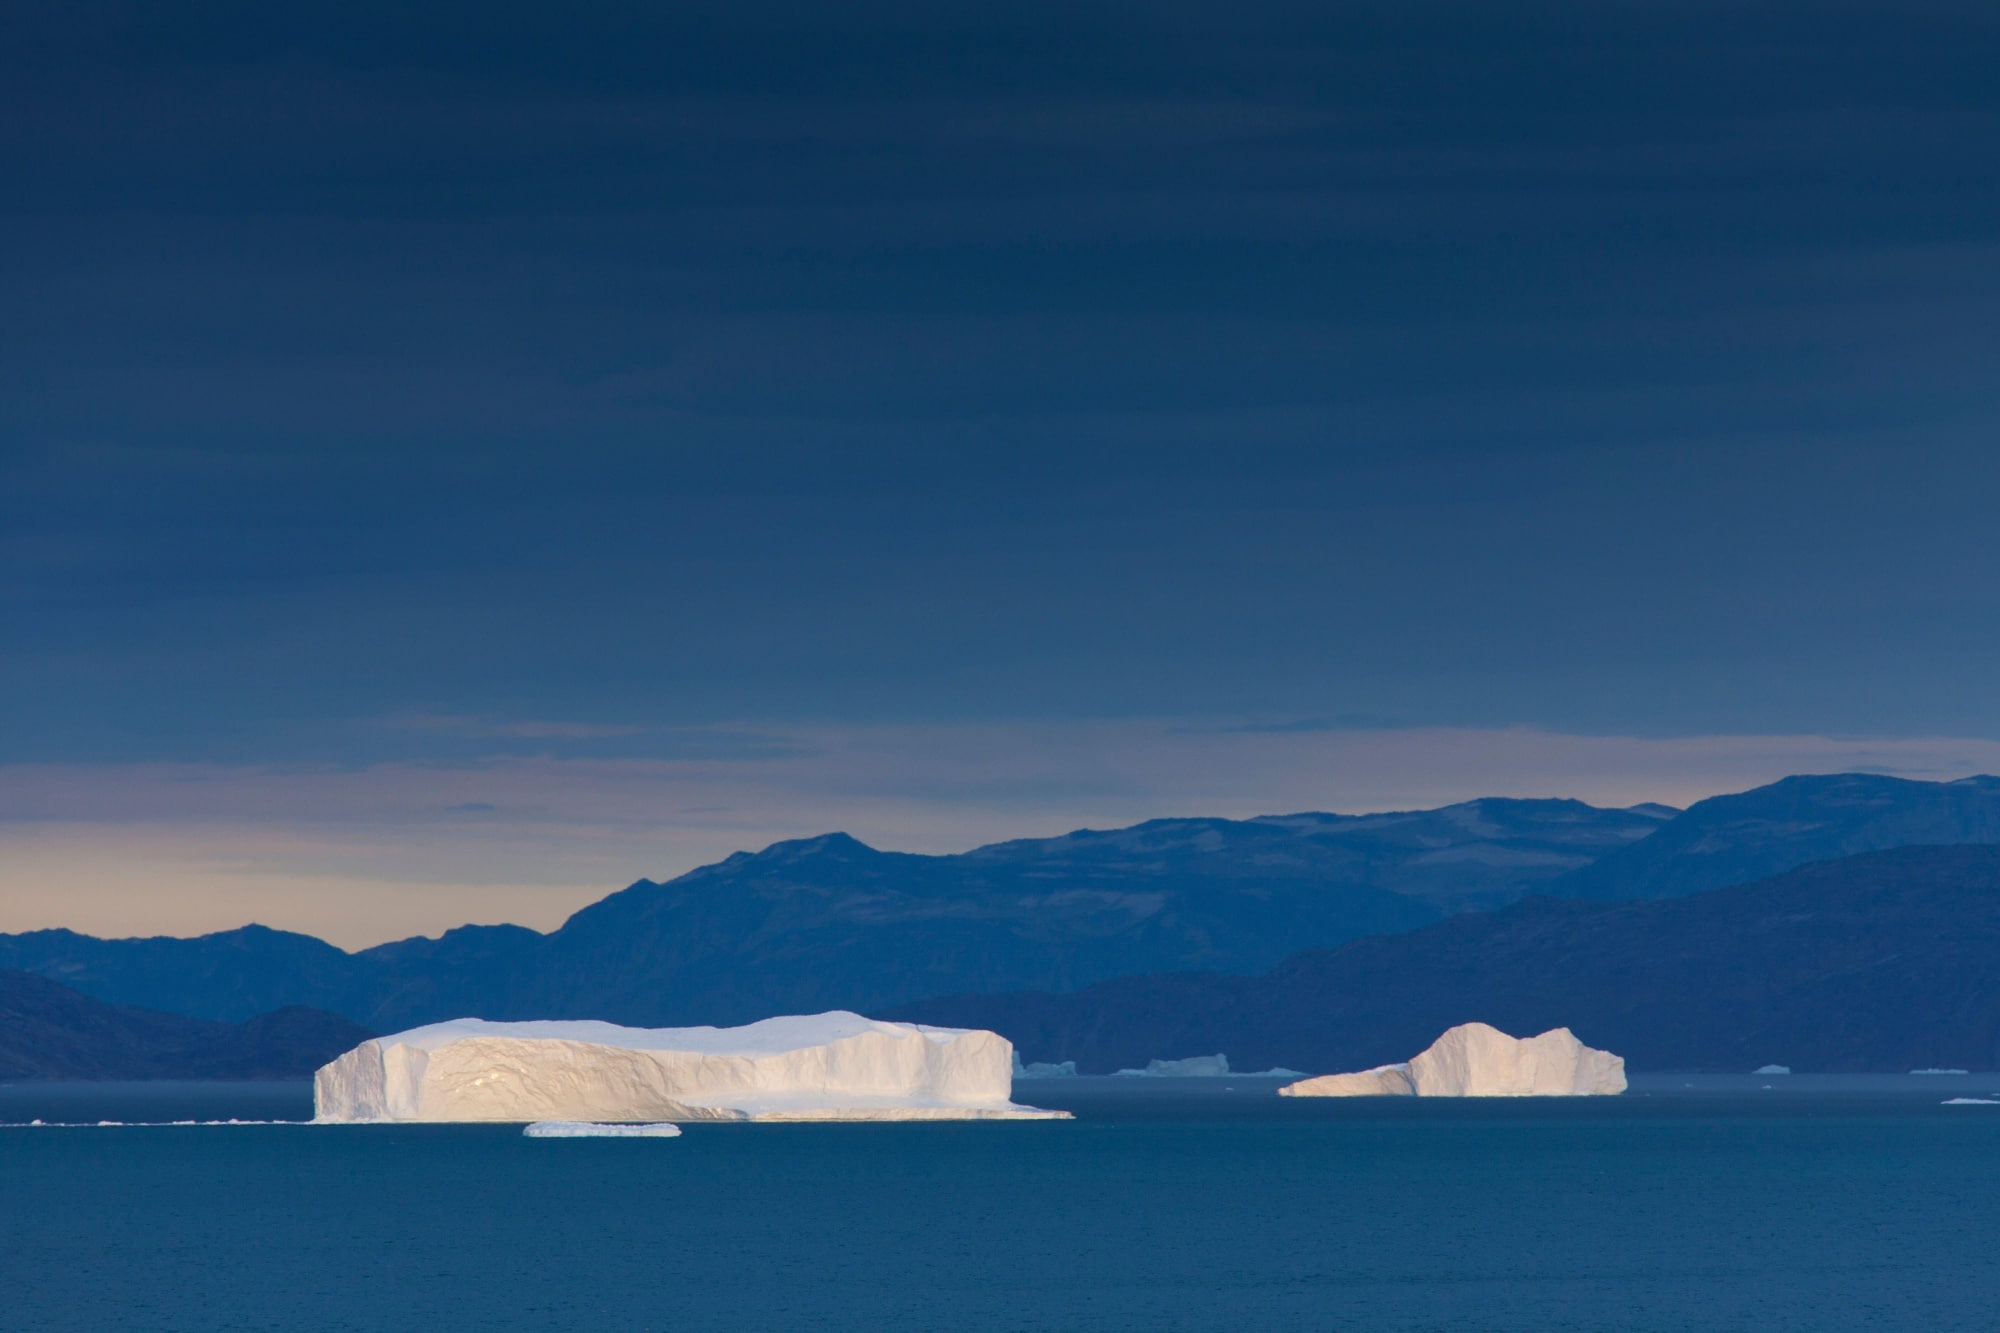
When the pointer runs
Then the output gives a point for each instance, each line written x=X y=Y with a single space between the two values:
x=1750 y=835
x=50 y=1031
x=1886 y=961
x=229 y=976
x=828 y=921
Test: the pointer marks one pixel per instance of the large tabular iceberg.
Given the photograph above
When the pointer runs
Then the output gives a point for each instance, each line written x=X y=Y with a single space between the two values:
x=833 y=1066
x=1475 y=1060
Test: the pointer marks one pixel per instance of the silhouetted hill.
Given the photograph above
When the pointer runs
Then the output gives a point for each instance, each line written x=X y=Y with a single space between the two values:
x=49 y=1031
x=829 y=922
x=229 y=976
x=1750 y=835
x=1884 y=961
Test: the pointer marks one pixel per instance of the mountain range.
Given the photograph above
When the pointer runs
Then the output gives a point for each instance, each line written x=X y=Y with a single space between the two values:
x=829 y=922
x=1750 y=835
x=1877 y=962
x=49 y=1031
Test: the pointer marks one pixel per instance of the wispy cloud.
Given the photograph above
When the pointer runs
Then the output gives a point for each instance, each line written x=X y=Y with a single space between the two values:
x=1342 y=722
x=416 y=736
x=455 y=724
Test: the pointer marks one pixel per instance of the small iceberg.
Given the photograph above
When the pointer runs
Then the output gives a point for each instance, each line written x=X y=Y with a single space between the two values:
x=138 y=1124
x=1772 y=1069
x=1970 y=1101
x=1478 y=1060
x=1940 y=1071
x=1043 y=1069
x=585 y=1129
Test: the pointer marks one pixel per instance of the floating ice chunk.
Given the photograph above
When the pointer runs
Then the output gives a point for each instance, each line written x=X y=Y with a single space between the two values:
x=1476 y=1060
x=1772 y=1069
x=586 y=1129
x=832 y=1066
x=1970 y=1101
x=1940 y=1071
x=1043 y=1069
x=139 y=1124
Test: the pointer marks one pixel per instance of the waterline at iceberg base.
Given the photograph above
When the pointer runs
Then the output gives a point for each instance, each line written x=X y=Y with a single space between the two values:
x=831 y=1066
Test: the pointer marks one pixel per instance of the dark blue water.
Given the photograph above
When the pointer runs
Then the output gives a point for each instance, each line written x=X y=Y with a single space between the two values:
x=1722 y=1206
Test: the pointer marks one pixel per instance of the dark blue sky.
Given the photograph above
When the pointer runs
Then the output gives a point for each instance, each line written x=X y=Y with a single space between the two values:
x=1591 y=367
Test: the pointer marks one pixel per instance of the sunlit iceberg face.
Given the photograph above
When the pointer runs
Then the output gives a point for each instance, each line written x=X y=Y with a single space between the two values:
x=832 y=1066
x=1477 y=1060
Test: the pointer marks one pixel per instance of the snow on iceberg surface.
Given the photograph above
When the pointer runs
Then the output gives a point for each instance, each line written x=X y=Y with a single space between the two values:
x=1475 y=1060
x=833 y=1066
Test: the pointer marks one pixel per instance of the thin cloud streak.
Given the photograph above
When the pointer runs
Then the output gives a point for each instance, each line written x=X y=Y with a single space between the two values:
x=364 y=854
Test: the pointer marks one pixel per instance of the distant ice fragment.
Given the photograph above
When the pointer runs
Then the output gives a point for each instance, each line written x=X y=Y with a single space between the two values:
x=1194 y=1066
x=1940 y=1071
x=140 y=1124
x=1772 y=1069
x=586 y=1129
x=1043 y=1069
x=1970 y=1101
x=1477 y=1060
x=832 y=1066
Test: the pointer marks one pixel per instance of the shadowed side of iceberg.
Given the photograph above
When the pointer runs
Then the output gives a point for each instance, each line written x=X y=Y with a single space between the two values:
x=1478 y=1060
x=832 y=1066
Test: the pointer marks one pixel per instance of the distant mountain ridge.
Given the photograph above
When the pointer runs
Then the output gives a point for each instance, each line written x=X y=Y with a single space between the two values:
x=1885 y=961
x=829 y=922
x=49 y=1031
x=1750 y=835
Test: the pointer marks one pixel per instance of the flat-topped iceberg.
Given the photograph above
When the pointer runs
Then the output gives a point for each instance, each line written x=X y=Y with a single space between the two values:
x=832 y=1066
x=1476 y=1060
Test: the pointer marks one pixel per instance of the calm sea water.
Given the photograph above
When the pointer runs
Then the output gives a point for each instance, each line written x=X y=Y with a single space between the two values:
x=1816 y=1204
